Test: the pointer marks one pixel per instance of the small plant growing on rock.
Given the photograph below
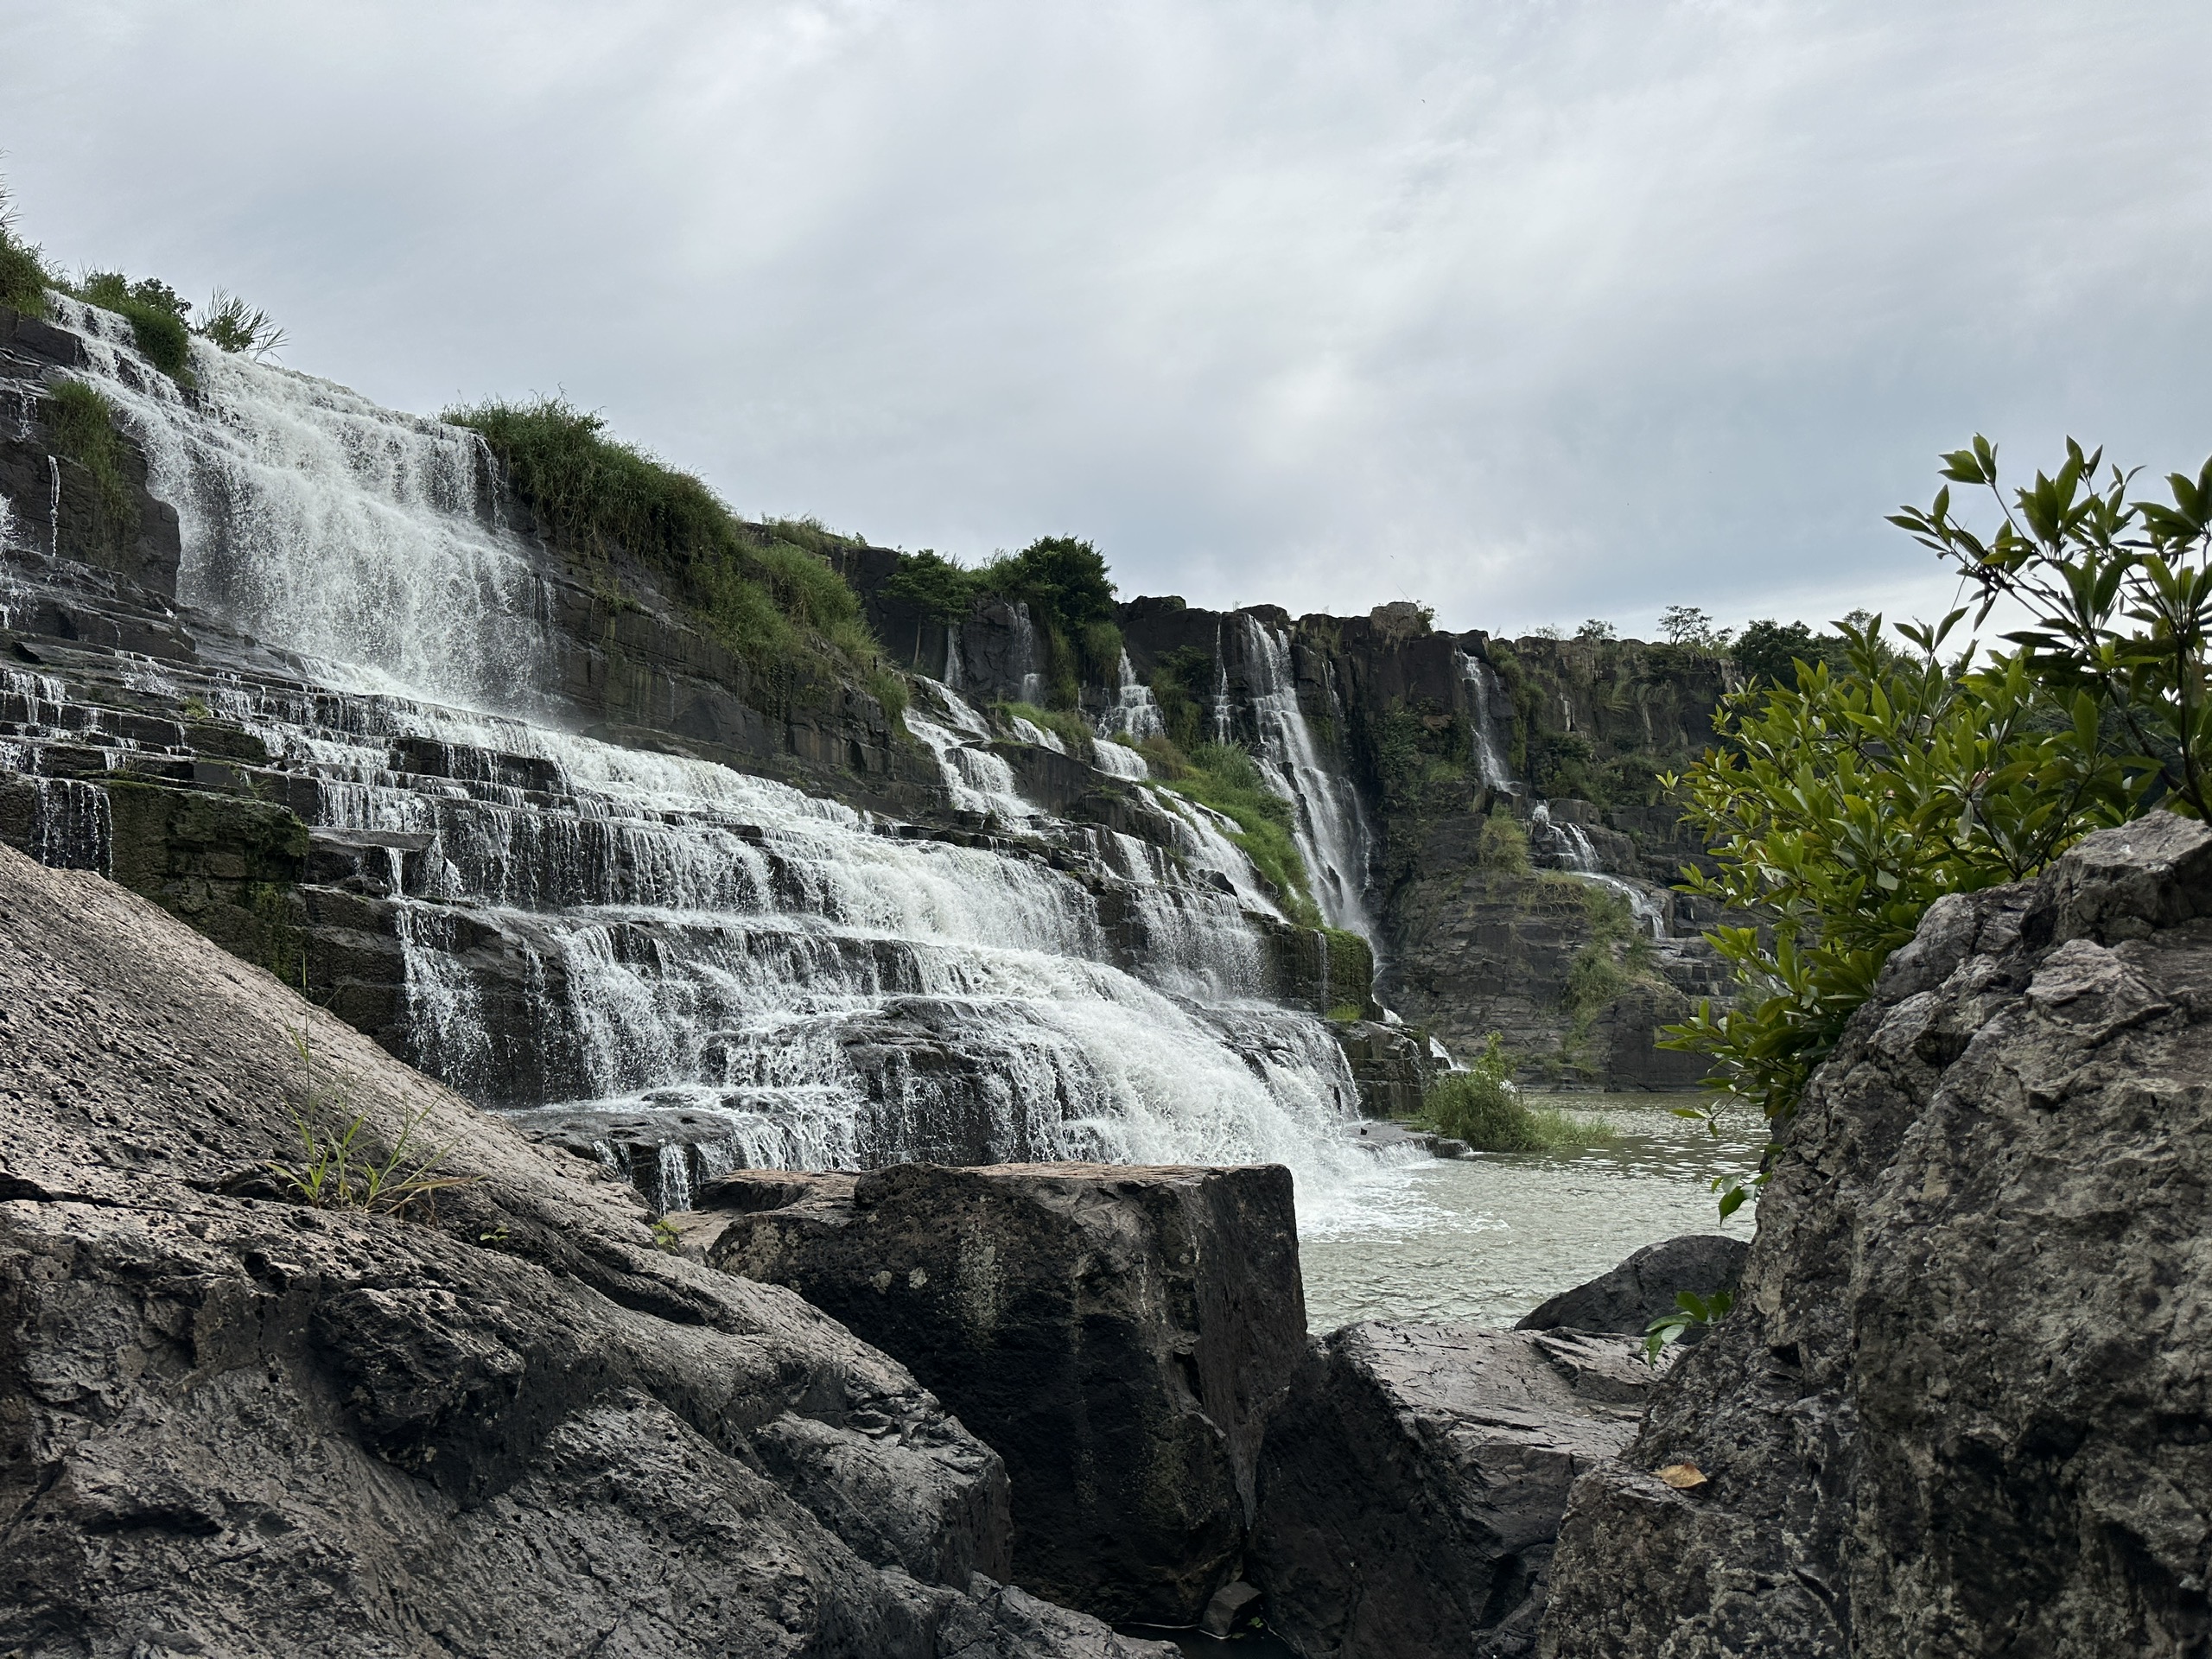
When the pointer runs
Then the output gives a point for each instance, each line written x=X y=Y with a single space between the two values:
x=231 y=325
x=339 y=1170
x=1691 y=1312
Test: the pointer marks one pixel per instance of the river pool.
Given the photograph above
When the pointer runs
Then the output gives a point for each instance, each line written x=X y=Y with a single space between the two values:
x=1486 y=1239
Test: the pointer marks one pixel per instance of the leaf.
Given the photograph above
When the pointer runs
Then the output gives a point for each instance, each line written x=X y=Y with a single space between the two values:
x=1682 y=1477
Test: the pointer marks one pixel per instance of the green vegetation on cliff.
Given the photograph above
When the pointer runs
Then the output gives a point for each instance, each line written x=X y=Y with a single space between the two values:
x=81 y=423
x=156 y=312
x=765 y=592
x=23 y=279
x=1063 y=582
x=1225 y=778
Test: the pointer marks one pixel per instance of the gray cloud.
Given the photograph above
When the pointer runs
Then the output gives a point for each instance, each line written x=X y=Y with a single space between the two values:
x=1536 y=311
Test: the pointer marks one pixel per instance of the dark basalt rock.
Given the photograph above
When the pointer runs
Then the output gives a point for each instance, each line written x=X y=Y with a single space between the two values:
x=232 y=1425
x=1120 y=1335
x=1626 y=1299
x=1410 y=1492
x=1960 y=1407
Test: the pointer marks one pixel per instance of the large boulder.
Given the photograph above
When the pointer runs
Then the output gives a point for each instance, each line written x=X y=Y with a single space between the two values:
x=1963 y=1404
x=1626 y=1298
x=1411 y=1490
x=1120 y=1335
x=231 y=1423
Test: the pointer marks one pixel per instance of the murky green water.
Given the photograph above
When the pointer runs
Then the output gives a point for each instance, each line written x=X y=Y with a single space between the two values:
x=1486 y=1239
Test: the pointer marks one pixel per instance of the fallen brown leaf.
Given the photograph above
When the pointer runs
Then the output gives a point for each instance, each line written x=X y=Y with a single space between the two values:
x=1682 y=1476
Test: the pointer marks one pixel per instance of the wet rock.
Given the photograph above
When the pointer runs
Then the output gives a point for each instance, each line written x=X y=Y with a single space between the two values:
x=504 y=1424
x=1120 y=1335
x=1960 y=1407
x=1410 y=1491
x=1628 y=1298
x=1390 y=1064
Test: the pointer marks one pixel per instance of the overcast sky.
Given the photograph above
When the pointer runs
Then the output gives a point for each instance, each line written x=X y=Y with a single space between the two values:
x=1533 y=311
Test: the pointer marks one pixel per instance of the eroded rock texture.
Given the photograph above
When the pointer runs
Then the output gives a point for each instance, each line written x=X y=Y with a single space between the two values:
x=1120 y=1334
x=1410 y=1492
x=1961 y=1406
x=234 y=1425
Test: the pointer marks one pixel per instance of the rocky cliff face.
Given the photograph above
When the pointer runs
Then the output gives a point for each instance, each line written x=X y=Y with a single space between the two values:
x=1430 y=733
x=505 y=1423
x=1961 y=1404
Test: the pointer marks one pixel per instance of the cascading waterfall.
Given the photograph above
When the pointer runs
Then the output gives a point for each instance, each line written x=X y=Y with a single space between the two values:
x=1569 y=845
x=603 y=933
x=1489 y=754
x=1328 y=822
x=1133 y=714
x=315 y=518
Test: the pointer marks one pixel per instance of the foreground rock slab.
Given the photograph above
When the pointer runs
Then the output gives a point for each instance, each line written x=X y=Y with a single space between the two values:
x=1411 y=1490
x=1964 y=1403
x=230 y=1424
x=1120 y=1335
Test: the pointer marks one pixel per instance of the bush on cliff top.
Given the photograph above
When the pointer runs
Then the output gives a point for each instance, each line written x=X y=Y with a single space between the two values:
x=24 y=278
x=765 y=593
x=1060 y=579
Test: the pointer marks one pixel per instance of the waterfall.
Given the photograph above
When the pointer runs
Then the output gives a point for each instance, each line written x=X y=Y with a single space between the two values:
x=1133 y=714
x=313 y=517
x=1329 y=824
x=1489 y=754
x=1570 y=849
x=1568 y=844
x=1025 y=636
x=662 y=951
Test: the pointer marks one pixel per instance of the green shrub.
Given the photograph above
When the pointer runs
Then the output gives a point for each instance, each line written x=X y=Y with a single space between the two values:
x=1165 y=757
x=156 y=312
x=1504 y=844
x=1345 y=1014
x=1481 y=1107
x=941 y=590
x=1063 y=724
x=80 y=423
x=23 y=276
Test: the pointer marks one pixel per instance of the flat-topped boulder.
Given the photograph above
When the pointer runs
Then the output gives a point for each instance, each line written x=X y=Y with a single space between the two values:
x=1412 y=1489
x=1119 y=1335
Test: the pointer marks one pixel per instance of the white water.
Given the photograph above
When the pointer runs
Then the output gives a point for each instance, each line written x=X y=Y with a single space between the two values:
x=1489 y=754
x=1328 y=823
x=314 y=518
x=648 y=934
x=1133 y=713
